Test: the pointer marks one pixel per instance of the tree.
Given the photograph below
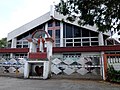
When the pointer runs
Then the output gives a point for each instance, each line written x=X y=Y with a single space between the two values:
x=3 y=42
x=105 y=14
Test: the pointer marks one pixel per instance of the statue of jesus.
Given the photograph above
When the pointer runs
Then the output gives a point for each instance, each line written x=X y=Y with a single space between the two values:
x=41 y=42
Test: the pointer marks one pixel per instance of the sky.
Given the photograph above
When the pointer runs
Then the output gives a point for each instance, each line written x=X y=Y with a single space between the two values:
x=15 y=13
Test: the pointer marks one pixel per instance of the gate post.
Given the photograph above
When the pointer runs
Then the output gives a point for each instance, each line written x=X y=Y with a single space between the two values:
x=105 y=66
x=102 y=59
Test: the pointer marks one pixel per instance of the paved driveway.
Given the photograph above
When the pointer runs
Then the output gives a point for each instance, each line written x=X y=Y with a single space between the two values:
x=7 y=83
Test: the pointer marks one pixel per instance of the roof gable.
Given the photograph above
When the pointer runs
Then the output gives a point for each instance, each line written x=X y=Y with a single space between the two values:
x=38 y=21
x=42 y=19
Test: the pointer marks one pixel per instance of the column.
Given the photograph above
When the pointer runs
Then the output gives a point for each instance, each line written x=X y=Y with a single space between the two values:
x=101 y=40
x=61 y=34
x=46 y=29
x=102 y=63
x=14 y=43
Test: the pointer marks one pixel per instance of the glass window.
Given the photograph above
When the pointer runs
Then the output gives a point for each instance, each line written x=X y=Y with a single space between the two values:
x=86 y=39
x=69 y=44
x=86 y=44
x=85 y=33
x=69 y=31
x=77 y=40
x=57 y=23
x=9 y=44
x=94 y=39
x=57 y=33
x=64 y=30
x=25 y=42
x=77 y=44
x=77 y=32
x=57 y=40
x=50 y=23
x=19 y=42
x=19 y=46
x=94 y=43
x=25 y=46
x=69 y=40
x=93 y=34
x=50 y=32
x=57 y=45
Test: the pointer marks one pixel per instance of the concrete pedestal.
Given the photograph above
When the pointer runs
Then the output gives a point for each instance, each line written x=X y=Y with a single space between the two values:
x=28 y=69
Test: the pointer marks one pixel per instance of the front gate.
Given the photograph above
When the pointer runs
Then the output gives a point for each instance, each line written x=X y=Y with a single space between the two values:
x=73 y=66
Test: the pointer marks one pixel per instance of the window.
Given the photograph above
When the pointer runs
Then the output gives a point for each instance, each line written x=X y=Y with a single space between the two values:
x=69 y=31
x=22 y=44
x=64 y=30
x=77 y=44
x=50 y=23
x=69 y=44
x=57 y=23
x=50 y=32
x=19 y=46
x=85 y=33
x=57 y=33
x=94 y=43
x=94 y=39
x=77 y=36
x=77 y=32
x=93 y=34
x=57 y=38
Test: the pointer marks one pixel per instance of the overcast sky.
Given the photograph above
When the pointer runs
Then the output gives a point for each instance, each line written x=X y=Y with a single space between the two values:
x=15 y=13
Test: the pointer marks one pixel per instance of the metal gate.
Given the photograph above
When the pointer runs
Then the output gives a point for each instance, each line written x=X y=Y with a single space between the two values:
x=73 y=66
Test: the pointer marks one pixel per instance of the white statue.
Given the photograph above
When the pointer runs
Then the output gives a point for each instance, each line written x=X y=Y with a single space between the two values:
x=41 y=43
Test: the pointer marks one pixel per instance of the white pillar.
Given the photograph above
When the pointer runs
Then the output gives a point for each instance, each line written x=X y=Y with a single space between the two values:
x=61 y=34
x=103 y=72
x=101 y=40
x=26 y=70
x=46 y=29
x=32 y=47
x=46 y=70
x=14 y=43
x=49 y=49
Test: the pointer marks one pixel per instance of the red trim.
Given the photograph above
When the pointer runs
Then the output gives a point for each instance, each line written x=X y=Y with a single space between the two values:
x=37 y=55
x=66 y=49
x=14 y=50
x=87 y=49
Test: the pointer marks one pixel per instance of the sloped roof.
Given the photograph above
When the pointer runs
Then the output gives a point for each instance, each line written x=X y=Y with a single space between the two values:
x=40 y=20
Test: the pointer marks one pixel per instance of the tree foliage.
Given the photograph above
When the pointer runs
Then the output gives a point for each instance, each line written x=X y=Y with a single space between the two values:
x=105 y=14
x=3 y=42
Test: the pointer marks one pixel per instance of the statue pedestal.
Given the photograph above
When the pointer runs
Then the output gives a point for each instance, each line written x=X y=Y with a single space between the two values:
x=38 y=64
x=37 y=69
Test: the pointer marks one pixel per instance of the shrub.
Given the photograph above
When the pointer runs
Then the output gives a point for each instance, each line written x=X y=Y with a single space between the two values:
x=112 y=74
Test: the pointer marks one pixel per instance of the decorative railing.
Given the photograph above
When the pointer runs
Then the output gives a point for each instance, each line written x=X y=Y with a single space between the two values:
x=82 y=65
x=12 y=65
x=114 y=59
